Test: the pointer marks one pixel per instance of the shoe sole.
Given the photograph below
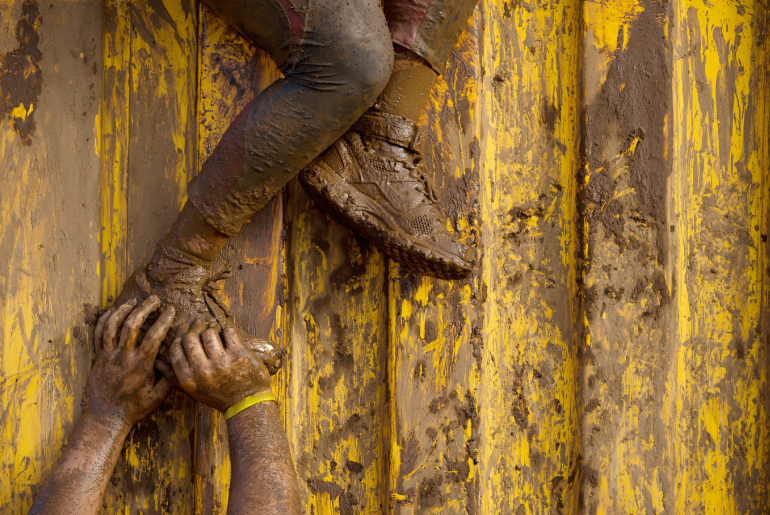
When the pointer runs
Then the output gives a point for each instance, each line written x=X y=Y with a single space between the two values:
x=331 y=193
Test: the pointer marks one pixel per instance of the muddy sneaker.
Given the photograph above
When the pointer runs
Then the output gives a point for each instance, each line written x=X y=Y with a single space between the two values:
x=373 y=180
x=185 y=283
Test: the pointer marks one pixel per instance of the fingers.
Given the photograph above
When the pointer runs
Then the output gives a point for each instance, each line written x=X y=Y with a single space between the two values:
x=198 y=326
x=99 y=331
x=154 y=337
x=168 y=372
x=109 y=339
x=181 y=330
x=213 y=345
x=232 y=339
x=193 y=347
x=130 y=332
x=182 y=369
x=160 y=392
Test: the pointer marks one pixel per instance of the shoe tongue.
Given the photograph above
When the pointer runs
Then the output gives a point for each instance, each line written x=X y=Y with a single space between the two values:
x=396 y=130
x=381 y=149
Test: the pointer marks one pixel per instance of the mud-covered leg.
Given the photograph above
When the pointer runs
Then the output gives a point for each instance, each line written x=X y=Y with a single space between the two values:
x=373 y=179
x=336 y=58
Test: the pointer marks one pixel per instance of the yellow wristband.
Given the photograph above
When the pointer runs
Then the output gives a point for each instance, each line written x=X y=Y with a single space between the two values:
x=248 y=402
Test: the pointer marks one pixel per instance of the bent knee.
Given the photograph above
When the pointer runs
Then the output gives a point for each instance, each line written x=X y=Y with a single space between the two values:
x=368 y=77
x=350 y=59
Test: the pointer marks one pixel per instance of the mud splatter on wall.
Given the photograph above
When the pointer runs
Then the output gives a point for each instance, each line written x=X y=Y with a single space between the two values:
x=50 y=93
x=21 y=79
x=608 y=161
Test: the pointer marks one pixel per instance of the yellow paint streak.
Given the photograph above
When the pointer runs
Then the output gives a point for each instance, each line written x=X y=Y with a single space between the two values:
x=336 y=366
x=165 y=61
x=721 y=95
x=42 y=366
x=608 y=22
x=114 y=134
x=606 y=29
x=21 y=112
x=527 y=329
x=432 y=373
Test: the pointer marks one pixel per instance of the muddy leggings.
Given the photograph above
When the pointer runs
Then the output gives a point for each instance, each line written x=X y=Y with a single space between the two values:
x=336 y=57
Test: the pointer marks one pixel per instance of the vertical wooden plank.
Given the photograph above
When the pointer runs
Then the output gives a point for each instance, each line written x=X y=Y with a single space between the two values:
x=626 y=273
x=149 y=155
x=162 y=150
x=720 y=396
x=435 y=342
x=528 y=393
x=232 y=72
x=49 y=220
x=114 y=148
x=337 y=377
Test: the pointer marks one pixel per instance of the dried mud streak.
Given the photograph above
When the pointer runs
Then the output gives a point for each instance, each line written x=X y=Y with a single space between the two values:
x=628 y=297
x=48 y=216
x=337 y=375
x=720 y=198
x=530 y=456
x=150 y=91
x=233 y=72
x=435 y=342
x=21 y=80
x=162 y=129
x=114 y=148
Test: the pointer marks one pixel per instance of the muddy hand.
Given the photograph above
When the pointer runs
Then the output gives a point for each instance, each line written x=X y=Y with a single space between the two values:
x=271 y=355
x=122 y=388
x=213 y=373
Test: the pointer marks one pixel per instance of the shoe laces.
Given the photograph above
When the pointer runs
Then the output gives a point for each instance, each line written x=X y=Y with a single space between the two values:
x=424 y=181
x=414 y=167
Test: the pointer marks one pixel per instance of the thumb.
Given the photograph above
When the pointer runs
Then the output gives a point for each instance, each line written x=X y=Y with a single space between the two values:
x=168 y=372
x=160 y=392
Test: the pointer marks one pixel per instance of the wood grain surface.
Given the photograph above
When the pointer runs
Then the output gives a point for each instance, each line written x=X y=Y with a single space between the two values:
x=50 y=95
x=608 y=162
x=148 y=156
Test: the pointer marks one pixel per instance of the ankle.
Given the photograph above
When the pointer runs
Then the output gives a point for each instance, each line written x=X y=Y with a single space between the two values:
x=192 y=241
x=408 y=87
x=194 y=236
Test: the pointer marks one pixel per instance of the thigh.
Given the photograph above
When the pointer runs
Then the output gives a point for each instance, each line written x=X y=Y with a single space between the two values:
x=314 y=39
x=269 y=24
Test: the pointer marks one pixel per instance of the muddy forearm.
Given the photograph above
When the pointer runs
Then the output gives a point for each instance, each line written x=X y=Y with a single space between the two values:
x=78 y=482
x=263 y=476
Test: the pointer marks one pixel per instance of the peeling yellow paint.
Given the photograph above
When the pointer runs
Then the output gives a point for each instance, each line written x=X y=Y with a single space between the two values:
x=721 y=148
x=505 y=386
x=537 y=54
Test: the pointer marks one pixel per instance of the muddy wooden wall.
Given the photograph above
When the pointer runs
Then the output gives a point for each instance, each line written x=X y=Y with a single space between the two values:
x=609 y=161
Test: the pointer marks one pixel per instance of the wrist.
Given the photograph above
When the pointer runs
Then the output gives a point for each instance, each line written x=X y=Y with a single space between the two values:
x=251 y=401
x=110 y=419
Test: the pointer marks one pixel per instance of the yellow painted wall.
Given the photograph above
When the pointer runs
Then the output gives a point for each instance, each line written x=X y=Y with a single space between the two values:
x=608 y=160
